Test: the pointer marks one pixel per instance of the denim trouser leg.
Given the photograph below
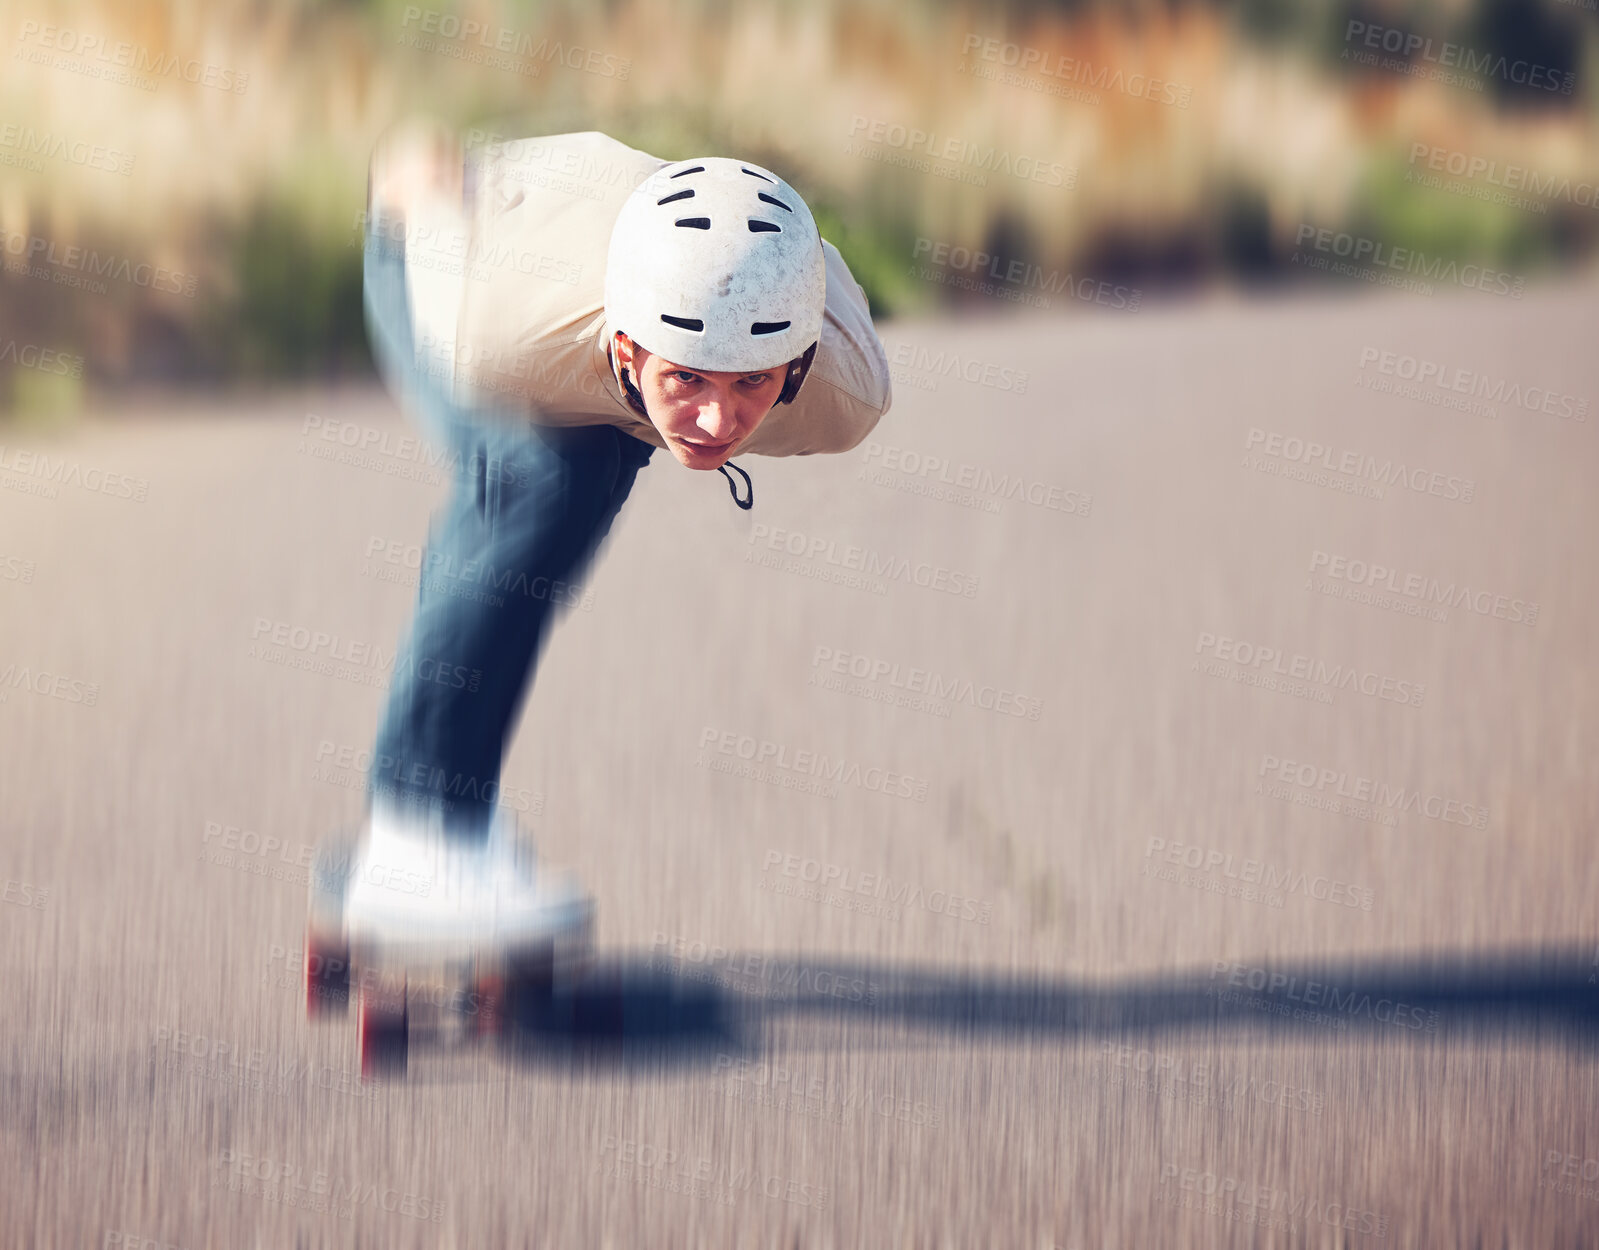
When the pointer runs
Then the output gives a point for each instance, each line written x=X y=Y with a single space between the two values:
x=528 y=508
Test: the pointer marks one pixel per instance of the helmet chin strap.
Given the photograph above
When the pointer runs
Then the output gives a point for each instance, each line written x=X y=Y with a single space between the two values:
x=732 y=486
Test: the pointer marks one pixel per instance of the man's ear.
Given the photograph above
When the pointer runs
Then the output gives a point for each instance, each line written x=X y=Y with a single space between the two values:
x=622 y=366
x=620 y=355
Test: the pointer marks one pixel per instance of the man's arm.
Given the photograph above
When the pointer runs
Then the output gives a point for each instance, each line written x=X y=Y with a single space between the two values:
x=412 y=161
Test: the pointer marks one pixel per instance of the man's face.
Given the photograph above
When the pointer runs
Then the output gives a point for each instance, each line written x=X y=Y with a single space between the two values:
x=703 y=416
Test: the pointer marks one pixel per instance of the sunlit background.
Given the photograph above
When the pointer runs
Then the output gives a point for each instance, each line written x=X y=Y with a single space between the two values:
x=1162 y=146
x=1219 y=589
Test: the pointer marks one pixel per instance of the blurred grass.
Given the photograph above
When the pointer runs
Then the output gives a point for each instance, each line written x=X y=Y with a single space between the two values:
x=1444 y=224
x=258 y=193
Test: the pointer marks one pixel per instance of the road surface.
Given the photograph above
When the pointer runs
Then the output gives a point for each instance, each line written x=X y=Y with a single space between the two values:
x=1147 y=802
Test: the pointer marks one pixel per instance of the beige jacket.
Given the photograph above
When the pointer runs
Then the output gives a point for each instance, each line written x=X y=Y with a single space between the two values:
x=507 y=300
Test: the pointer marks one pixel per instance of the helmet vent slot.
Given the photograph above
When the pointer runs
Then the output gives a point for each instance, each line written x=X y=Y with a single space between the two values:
x=676 y=195
x=769 y=327
x=698 y=169
x=753 y=174
x=757 y=226
x=685 y=323
x=697 y=223
x=772 y=199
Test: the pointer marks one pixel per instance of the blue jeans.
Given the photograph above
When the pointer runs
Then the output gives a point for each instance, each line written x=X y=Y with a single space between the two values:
x=527 y=510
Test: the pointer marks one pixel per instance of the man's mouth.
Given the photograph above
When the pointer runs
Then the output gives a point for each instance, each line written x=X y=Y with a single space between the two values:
x=707 y=449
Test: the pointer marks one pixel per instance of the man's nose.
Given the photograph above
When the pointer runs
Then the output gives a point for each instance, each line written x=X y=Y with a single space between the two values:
x=716 y=417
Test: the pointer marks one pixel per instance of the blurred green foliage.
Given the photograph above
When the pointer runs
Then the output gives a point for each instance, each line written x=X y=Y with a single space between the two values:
x=1166 y=195
x=1444 y=224
x=297 y=307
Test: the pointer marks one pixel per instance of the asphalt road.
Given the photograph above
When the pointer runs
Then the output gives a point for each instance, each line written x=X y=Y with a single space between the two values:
x=1218 y=871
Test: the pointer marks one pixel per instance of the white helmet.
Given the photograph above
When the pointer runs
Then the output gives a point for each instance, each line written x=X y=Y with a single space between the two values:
x=717 y=264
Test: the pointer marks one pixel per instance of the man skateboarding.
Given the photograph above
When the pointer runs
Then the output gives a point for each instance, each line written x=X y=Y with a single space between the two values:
x=552 y=310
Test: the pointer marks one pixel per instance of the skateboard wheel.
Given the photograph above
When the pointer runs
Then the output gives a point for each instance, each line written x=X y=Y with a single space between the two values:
x=385 y=1032
x=327 y=977
x=488 y=1005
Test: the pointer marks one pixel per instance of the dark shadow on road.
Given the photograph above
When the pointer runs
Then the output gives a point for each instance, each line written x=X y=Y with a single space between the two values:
x=645 y=1008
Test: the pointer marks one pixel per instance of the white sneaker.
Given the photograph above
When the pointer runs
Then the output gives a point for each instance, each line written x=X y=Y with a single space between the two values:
x=412 y=888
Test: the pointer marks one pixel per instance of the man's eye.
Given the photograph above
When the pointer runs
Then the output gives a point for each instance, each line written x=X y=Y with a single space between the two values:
x=757 y=379
x=683 y=375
